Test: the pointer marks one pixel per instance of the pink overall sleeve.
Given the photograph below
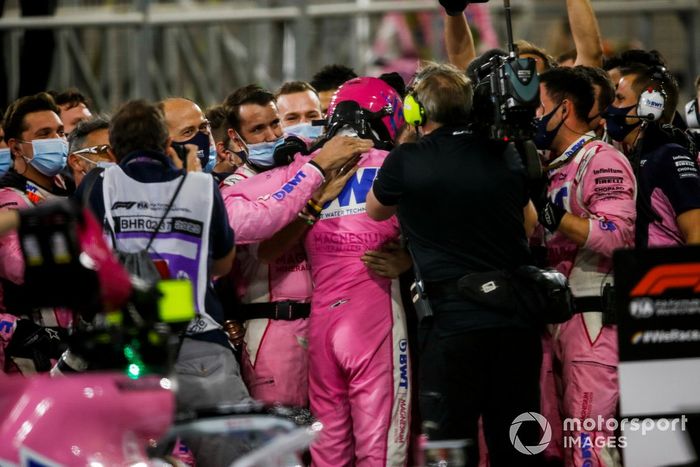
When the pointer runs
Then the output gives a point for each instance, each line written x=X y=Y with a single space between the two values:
x=255 y=220
x=609 y=188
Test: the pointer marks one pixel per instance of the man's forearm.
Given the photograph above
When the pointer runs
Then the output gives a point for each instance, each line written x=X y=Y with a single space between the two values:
x=585 y=32
x=459 y=41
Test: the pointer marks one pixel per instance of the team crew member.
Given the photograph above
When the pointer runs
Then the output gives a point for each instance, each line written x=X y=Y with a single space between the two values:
x=274 y=295
x=438 y=186
x=589 y=212
x=188 y=125
x=299 y=105
x=89 y=147
x=668 y=204
x=274 y=291
x=197 y=245
x=358 y=352
x=327 y=81
x=34 y=134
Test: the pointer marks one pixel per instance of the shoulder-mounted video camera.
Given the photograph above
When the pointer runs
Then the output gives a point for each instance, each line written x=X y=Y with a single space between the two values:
x=507 y=91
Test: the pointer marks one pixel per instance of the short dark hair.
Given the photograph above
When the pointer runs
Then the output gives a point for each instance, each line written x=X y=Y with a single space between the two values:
x=657 y=78
x=71 y=97
x=631 y=57
x=568 y=55
x=697 y=84
x=77 y=137
x=217 y=121
x=138 y=126
x=14 y=116
x=293 y=87
x=251 y=94
x=601 y=79
x=525 y=47
x=331 y=77
x=572 y=84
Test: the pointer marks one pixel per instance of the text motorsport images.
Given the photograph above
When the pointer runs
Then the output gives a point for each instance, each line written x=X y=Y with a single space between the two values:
x=583 y=430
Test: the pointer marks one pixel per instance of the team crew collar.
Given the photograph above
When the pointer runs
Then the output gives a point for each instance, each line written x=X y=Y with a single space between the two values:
x=146 y=156
x=571 y=151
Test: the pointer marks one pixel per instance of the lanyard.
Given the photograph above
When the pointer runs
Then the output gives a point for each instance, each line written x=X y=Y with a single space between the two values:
x=570 y=153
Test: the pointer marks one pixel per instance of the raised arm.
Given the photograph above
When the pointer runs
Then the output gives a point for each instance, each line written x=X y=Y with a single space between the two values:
x=585 y=31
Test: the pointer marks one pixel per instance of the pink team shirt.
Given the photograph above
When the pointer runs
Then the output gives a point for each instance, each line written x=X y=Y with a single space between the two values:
x=597 y=184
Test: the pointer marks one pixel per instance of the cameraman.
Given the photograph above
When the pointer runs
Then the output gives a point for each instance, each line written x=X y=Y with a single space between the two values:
x=462 y=202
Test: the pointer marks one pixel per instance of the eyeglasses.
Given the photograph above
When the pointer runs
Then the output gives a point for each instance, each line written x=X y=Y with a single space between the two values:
x=101 y=149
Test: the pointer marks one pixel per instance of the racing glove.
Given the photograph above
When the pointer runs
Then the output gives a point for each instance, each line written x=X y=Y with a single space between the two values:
x=550 y=215
x=37 y=343
x=454 y=7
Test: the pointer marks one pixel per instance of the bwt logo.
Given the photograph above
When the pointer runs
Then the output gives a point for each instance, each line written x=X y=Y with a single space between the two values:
x=289 y=186
x=655 y=104
x=586 y=450
x=356 y=189
x=403 y=364
x=6 y=326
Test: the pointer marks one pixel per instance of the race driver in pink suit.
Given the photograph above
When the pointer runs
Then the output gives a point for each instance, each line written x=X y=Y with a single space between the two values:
x=589 y=211
x=273 y=292
x=358 y=353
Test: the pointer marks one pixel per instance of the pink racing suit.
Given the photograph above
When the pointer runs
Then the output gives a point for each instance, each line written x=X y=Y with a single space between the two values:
x=12 y=274
x=275 y=359
x=359 y=372
x=595 y=182
x=256 y=220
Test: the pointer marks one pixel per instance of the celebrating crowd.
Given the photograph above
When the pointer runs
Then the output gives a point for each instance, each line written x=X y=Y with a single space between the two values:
x=302 y=217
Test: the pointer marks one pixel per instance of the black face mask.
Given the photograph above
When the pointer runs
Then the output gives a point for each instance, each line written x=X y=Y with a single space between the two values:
x=201 y=140
x=616 y=124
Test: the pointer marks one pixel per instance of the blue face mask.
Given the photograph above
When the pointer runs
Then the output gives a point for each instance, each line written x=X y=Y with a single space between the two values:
x=5 y=160
x=616 y=124
x=212 y=160
x=304 y=130
x=49 y=155
x=262 y=154
x=544 y=138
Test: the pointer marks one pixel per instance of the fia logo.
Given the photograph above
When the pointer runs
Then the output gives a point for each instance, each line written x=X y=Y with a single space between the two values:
x=354 y=195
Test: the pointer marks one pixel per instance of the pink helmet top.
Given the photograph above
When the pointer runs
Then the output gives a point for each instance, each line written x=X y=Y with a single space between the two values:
x=372 y=94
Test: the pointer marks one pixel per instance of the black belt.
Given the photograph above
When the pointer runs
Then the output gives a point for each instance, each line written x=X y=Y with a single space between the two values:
x=596 y=303
x=584 y=304
x=287 y=311
x=441 y=288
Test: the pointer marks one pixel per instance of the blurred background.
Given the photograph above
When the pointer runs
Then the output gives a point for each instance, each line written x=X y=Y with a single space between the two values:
x=113 y=50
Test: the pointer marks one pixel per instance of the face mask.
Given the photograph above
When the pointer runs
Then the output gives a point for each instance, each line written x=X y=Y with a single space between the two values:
x=202 y=141
x=49 y=155
x=5 y=160
x=212 y=160
x=100 y=164
x=543 y=138
x=615 y=122
x=262 y=154
x=692 y=114
x=304 y=130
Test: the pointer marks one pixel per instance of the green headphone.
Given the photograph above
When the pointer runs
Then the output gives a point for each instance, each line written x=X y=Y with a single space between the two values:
x=413 y=111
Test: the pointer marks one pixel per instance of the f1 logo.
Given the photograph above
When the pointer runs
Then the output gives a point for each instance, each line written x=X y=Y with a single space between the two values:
x=670 y=276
